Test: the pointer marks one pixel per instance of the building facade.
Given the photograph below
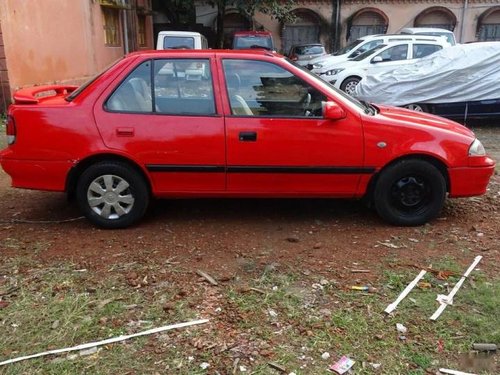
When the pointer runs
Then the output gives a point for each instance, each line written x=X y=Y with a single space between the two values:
x=470 y=20
x=67 y=41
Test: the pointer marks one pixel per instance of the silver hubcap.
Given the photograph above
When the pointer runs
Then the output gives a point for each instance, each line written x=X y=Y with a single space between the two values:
x=415 y=107
x=110 y=197
x=350 y=87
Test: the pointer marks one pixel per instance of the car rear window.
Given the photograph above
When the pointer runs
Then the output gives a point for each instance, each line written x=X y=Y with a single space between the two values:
x=246 y=42
x=309 y=50
x=178 y=42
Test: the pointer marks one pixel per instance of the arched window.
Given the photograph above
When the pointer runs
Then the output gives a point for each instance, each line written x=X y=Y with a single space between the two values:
x=367 y=21
x=489 y=25
x=440 y=17
x=305 y=30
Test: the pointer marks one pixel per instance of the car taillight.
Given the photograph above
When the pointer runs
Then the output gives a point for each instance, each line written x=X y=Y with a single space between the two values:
x=11 y=130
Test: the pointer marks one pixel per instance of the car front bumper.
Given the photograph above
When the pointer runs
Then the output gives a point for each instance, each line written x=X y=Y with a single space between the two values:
x=470 y=181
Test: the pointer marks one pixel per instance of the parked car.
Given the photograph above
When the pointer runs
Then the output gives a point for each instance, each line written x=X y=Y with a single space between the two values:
x=348 y=74
x=360 y=46
x=431 y=31
x=253 y=39
x=303 y=53
x=460 y=83
x=181 y=40
x=254 y=125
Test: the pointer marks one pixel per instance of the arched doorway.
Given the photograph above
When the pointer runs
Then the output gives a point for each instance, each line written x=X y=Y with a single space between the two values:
x=234 y=21
x=306 y=29
x=488 y=25
x=436 y=17
x=366 y=21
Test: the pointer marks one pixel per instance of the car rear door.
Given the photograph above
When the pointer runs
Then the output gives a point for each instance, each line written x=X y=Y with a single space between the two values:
x=278 y=142
x=164 y=115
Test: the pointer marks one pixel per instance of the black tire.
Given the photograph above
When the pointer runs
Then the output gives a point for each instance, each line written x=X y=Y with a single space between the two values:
x=410 y=192
x=120 y=194
x=348 y=83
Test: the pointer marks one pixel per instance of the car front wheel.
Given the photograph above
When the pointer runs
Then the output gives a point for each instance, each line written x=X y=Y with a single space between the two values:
x=112 y=194
x=416 y=107
x=349 y=85
x=409 y=192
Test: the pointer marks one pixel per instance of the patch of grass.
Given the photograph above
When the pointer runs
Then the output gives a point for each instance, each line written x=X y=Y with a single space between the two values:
x=283 y=319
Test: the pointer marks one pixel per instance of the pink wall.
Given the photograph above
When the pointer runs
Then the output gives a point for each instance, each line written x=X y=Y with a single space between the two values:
x=54 y=41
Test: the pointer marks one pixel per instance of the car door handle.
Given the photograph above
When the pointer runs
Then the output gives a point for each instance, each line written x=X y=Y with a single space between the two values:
x=125 y=132
x=248 y=136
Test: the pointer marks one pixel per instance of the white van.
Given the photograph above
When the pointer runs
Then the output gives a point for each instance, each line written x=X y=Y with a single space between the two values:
x=431 y=31
x=181 y=40
x=362 y=45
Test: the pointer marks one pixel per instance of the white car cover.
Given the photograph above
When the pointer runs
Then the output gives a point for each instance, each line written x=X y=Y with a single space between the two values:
x=461 y=73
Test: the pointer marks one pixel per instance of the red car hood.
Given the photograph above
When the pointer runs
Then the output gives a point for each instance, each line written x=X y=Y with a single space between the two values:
x=421 y=118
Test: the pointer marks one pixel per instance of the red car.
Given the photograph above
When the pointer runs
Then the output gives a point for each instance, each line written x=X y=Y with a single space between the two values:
x=193 y=123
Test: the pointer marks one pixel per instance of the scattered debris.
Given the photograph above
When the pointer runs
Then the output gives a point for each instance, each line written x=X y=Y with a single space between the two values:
x=454 y=372
x=4 y=304
x=405 y=292
x=325 y=355
x=207 y=277
x=424 y=285
x=293 y=239
x=88 y=351
x=364 y=288
x=375 y=365
x=105 y=342
x=275 y=366
x=448 y=300
x=204 y=365
x=360 y=271
x=390 y=245
x=485 y=347
x=343 y=365
x=272 y=313
x=401 y=328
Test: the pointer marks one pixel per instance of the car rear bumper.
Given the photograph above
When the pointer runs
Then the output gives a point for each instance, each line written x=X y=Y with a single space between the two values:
x=32 y=174
x=470 y=181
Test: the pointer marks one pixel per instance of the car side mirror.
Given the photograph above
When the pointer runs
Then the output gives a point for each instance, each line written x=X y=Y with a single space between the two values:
x=377 y=59
x=332 y=111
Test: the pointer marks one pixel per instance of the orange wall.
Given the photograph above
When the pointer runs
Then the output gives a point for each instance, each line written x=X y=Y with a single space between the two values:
x=54 y=41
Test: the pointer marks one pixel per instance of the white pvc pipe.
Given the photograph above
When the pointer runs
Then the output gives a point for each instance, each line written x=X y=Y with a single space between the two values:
x=405 y=292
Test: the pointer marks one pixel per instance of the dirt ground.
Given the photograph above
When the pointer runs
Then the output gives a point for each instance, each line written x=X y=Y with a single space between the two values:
x=238 y=239
x=217 y=234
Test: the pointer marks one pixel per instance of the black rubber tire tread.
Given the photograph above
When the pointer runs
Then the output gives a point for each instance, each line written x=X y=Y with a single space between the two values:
x=138 y=188
x=348 y=80
x=399 y=170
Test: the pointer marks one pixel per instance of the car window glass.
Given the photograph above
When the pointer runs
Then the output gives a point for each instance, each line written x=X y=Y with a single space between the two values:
x=134 y=93
x=183 y=86
x=368 y=46
x=396 y=53
x=370 y=52
x=422 y=50
x=348 y=48
x=308 y=50
x=258 y=88
x=178 y=42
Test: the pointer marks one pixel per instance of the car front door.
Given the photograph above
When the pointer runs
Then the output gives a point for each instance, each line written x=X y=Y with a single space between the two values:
x=163 y=115
x=277 y=139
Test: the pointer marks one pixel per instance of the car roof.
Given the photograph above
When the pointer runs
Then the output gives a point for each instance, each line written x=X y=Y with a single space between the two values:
x=178 y=33
x=250 y=33
x=425 y=29
x=207 y=52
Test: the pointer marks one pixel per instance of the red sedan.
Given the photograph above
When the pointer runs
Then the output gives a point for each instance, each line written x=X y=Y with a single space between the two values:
x=232 y=124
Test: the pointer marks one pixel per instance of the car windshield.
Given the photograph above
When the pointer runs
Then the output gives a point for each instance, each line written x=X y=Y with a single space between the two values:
x=356 y=102
x=364 y=55
x=347 y=48
x=77 y=92
x=309 y=50
x=244 y=42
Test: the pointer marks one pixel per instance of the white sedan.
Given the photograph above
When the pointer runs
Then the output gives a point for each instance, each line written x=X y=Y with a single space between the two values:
x=348 y=74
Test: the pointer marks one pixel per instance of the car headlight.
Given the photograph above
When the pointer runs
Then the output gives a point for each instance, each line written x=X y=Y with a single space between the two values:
x=317 y=66
x=333 y=72
x=477 y=148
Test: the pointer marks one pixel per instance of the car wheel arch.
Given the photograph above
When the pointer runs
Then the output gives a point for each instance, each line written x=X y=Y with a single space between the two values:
x=83 y=164
x=439 y=164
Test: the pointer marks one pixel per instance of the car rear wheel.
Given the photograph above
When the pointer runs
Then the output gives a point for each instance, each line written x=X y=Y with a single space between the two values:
x=349 y=85
x=112 y=194
x=410 y=192
x=416 y=107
